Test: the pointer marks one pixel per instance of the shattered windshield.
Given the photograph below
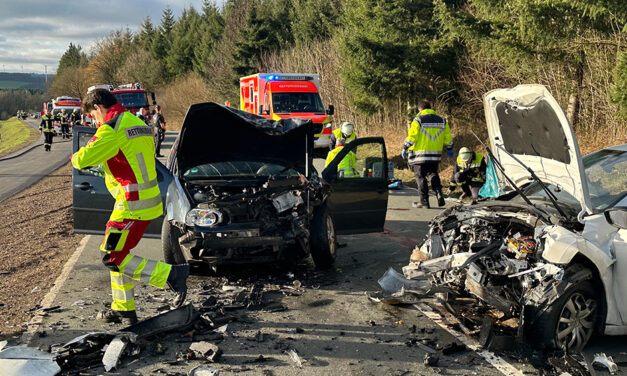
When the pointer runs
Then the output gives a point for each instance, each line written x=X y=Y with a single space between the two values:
x=606 y=173
x=297 y=102
x=239 y=169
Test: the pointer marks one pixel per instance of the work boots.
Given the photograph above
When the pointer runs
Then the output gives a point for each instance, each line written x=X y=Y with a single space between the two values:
x=440 y=196
x=112 y=316
x=423 y=203
x=177 y=280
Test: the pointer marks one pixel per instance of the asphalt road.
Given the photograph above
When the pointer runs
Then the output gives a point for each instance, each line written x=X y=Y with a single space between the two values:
x=27 y=166
x=329 y=322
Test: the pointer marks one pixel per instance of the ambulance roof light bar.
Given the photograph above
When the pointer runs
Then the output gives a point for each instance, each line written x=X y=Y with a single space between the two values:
x=288 y=77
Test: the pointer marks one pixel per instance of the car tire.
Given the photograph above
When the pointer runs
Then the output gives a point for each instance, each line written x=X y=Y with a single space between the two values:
x=323 y=243
x=572 y=319
x=172 y=253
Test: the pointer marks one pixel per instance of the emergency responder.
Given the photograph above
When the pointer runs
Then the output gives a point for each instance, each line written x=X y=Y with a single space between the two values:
x=346 y=168
x=75 y=118
x=345 y=131
x=427 y=136
x=65 y=124
x=47 y=128
x=124 y=149
x=159 y=125
x=143 y=115
x=469 y=173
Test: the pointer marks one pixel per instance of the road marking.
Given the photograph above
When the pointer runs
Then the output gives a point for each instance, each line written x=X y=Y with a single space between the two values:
x=48 y=300
x=496 y=361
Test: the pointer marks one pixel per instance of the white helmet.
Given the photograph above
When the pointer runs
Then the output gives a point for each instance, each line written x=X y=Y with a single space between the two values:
x=465 y=154
x=347 y=128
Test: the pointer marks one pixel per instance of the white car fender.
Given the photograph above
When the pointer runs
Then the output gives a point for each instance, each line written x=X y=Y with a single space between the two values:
x=562 y=245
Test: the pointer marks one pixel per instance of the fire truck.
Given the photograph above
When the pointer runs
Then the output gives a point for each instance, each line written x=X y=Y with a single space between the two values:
x=288 y=95
x=131 y=96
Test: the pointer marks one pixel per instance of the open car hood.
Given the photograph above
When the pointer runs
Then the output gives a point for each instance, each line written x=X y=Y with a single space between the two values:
x=529 y=123
x=213 y=133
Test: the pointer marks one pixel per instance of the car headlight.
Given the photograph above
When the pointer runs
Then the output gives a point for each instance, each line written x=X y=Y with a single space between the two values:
x=203 y=217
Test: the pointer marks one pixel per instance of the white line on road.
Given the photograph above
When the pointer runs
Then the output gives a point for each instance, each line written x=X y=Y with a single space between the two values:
x=495 y=360
x=48 y=300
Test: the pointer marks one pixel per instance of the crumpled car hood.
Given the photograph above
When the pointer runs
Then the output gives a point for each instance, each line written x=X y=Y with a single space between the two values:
x=212 y=132
x=529 y=123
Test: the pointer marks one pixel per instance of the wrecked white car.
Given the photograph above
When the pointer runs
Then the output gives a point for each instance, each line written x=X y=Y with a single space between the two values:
x=548 y=259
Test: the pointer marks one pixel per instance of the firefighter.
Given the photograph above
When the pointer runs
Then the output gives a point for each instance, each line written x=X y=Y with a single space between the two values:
x=469 y=173
x=346 y=168
x=123 y=147
x=47 y=128
x=75 y=118
x=159 y=125
x=345 y=131
x=65 y=124
x=428 y=135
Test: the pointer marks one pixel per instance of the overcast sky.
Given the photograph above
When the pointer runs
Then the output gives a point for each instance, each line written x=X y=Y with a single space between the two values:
x=34 y=33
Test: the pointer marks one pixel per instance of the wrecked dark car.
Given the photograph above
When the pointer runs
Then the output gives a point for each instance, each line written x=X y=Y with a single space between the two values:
x=247 y=191
x=545 y=260
x=239 y=188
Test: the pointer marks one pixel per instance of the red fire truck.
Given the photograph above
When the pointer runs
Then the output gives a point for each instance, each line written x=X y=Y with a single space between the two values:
x=131 y=96
x=287 y=95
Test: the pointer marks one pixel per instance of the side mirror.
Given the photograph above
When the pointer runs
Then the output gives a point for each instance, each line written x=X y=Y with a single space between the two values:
x=154 y=101
x=617 y=217
x=331 y=110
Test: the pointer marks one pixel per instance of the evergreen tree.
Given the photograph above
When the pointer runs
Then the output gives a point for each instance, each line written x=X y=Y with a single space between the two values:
x=146 y=33
x=163 y=38
x=528 y=34
x=180 y=58
x=315 y=19
x=72 y=57
x=211 y=29
x=267 y=28
x=393 y=50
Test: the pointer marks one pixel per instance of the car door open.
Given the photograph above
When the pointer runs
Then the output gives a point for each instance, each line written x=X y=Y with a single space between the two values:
x=91 y=201
x=359 y=197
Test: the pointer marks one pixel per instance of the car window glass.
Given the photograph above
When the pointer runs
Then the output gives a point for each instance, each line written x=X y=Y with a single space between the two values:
x=363 y=161
x=606 y=175
x=83 y=139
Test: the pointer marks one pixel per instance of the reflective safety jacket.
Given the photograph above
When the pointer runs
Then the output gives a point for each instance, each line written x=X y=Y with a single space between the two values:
x=124 y=147
x=427 y=136
x=337 y=134
x=475 y=169
x=47 y=123
x=64 y=118
x=346 y=167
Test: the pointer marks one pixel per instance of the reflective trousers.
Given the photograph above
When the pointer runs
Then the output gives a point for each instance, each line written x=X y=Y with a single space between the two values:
x=119 y=239
x=427 y=173
x=48 y=140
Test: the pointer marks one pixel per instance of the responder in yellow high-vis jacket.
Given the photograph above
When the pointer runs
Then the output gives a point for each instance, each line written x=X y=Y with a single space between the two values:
x=428 y=135
x=469 y=173
x=346 y=167
x=345 y=131
x=123 y=146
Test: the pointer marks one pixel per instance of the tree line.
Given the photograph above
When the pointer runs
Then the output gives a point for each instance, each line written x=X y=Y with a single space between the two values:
x=376 y=58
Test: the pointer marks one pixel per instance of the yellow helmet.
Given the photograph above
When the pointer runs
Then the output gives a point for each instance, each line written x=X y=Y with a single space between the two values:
x=465 y=154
